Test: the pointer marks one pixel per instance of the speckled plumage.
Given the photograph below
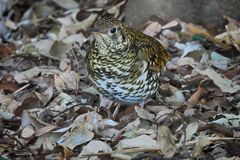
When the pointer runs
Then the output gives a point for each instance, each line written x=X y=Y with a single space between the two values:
x=124 y=64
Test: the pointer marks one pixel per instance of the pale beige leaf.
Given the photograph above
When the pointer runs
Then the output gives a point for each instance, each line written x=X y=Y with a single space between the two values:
x=166 y=141
x=132 y=125
x=170 y=24
x=27 y=131
x=142 y=141
x=144 y=114
x=226 y=85
x=26 y=76
x=95 y=146
x=190 y=130
x=78 y=135
x=69 y=4
x=202 y=141
x=152 y=29
x=66 y=80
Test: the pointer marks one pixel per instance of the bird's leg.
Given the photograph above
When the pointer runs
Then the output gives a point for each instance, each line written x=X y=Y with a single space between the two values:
x=104 y=101
x=114 y=115
x=106 y=104
x=141 y=104
x=108 y=108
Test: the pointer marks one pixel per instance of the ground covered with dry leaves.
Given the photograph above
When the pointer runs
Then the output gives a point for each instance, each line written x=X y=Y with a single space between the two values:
x=49 y=110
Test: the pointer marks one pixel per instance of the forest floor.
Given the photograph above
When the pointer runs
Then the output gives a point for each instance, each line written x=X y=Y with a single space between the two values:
x=49 y=109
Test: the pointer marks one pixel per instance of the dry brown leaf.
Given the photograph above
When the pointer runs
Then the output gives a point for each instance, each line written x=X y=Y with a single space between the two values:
x=8 y=106
x=6 y=49
x=195 y=97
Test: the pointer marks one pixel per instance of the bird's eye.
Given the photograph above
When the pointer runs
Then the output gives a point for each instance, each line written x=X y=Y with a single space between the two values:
x=113 y=30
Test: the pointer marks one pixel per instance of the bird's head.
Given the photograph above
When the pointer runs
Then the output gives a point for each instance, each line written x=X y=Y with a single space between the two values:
x=111 y=34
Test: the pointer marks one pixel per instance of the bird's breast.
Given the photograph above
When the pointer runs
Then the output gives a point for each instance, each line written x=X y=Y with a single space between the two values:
x=118 y=81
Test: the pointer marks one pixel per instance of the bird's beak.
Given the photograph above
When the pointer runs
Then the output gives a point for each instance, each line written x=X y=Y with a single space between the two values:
x=93 y=30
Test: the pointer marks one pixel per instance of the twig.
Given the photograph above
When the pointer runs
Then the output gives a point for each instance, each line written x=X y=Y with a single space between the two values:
x=114 y=115
x=126 y=151
x=76 y=60
x=23 y=146
x=190 y=143
x=67 y=109
x=20 y=89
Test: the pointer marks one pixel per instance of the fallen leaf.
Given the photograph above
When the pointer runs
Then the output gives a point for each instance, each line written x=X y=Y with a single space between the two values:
x=202 y=141
x=110 y=134
x=70 y=4
x=166 y=141
x=144 y=114
x=66 y=80
x=195 y=97
x=188 y=47
x=226 y=85
x=95 y=146
x=229 y=120
x=8 y=104
x=26 y=76
x=191 y=30
x=60 y=103
x=29 y=118
x=132 y=125
x=219 y=61
x=170 y=24
x=190 y=130
x=6 y=49
x=115 y=9
x=137 y=142
x=58 y=50
x=78 y=134
x=46 y=141
x=177 y=98
x=152 y=29
x=27 y=131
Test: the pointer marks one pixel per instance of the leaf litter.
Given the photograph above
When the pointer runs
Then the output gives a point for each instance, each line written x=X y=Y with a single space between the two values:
x=49 y=110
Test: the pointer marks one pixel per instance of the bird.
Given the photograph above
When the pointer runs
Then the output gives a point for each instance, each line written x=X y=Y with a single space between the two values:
x=124 y=64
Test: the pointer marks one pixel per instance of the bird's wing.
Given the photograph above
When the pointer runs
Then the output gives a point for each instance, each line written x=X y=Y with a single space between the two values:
x=151 y=51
